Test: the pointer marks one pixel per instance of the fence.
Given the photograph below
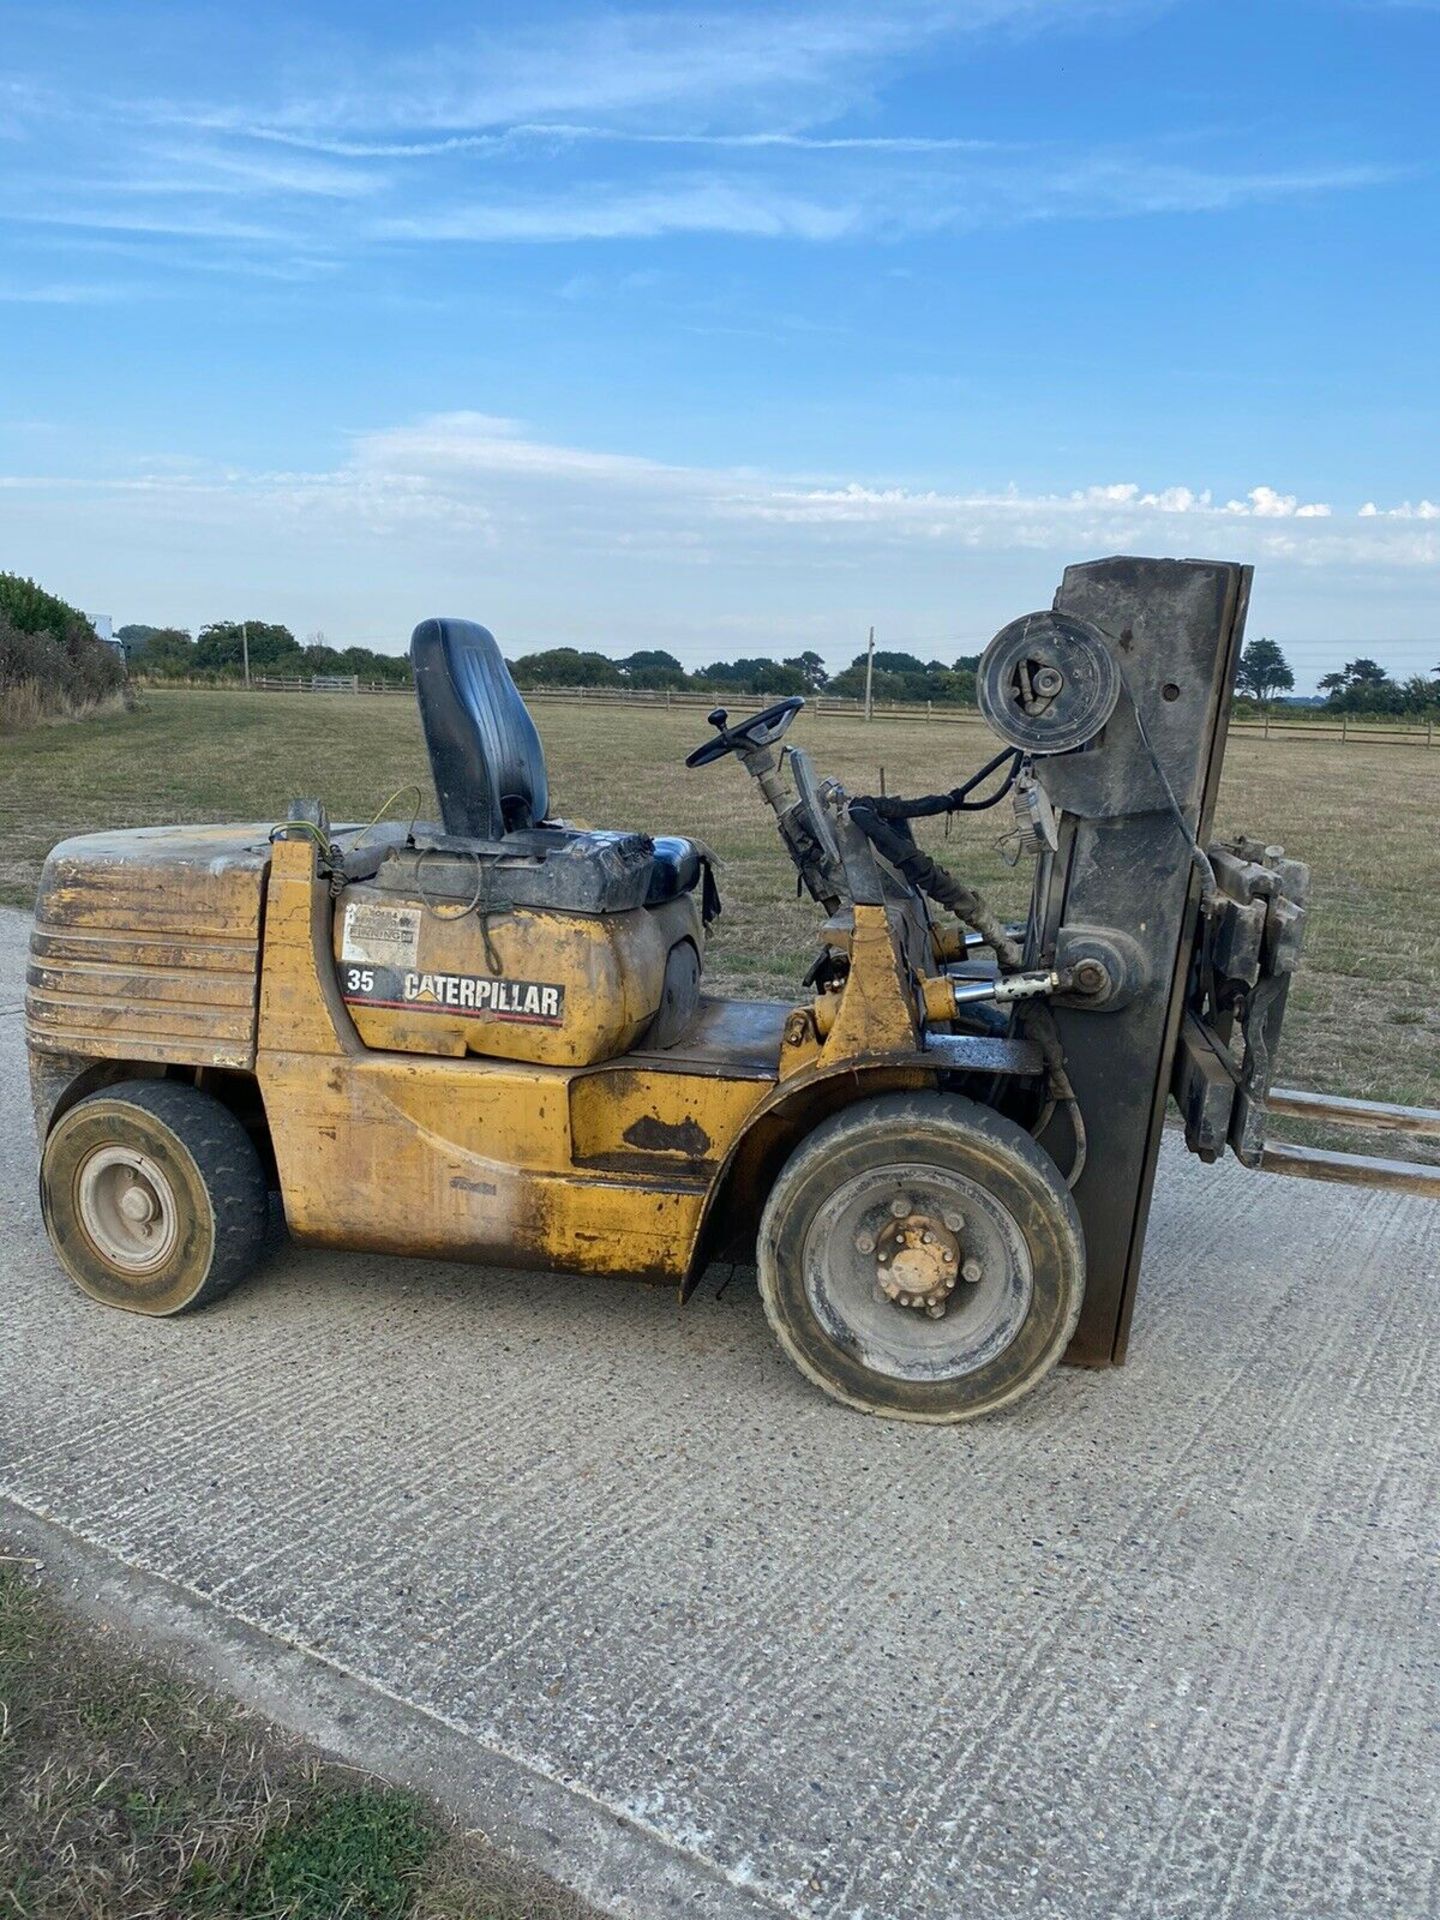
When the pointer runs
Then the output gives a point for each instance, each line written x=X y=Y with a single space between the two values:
x=1418 y=733
x=326 y=683
x=270 y=683
x=1352 y=726
x=1348 y=727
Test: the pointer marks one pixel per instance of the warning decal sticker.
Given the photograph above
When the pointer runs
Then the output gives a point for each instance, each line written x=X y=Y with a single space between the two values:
x=536 y=1002
x=380 y=936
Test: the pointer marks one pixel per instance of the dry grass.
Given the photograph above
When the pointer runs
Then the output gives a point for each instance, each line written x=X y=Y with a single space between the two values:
x=1365 y=1014
x=31 y=703
x=127 y=1794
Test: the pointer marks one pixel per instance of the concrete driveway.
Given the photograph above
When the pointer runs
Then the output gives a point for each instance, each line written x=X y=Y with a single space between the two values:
x=612 y=1577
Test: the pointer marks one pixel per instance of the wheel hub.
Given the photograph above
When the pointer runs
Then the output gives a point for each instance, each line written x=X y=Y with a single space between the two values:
x=137 y=1203
x=917 y=1259
x=127 y=1208
x=923 y=1330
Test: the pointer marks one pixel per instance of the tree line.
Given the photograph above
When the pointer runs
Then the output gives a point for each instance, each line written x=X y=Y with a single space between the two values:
x=1360 y=686
x=897 y=676
x=218 y=650
x=1363 y=686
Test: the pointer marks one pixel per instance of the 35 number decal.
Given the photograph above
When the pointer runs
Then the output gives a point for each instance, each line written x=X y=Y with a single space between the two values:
x=359 y=980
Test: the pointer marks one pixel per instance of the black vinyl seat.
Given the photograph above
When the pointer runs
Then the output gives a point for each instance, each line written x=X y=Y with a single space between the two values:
x=489 y=771
x=676 y=869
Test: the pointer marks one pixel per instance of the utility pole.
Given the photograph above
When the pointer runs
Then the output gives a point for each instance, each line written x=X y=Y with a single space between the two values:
x=870 y=675
x=245 y=647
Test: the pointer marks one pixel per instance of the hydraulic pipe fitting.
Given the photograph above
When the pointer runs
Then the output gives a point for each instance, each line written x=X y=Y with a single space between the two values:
x=945 y=997
x=954 y=943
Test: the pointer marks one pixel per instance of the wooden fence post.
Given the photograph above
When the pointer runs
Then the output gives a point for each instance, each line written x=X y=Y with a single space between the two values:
x=1344 y=728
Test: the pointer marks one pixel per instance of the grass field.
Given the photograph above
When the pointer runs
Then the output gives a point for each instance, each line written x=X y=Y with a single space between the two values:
x=128 y=1794
x=1365 y=1013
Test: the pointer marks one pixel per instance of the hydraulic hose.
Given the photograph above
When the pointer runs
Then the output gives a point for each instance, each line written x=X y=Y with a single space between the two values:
x=932 y=880
x=966 y=904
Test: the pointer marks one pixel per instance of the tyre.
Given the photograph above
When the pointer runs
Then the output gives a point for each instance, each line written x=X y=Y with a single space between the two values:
x=920 y=1257
x=154 y=1197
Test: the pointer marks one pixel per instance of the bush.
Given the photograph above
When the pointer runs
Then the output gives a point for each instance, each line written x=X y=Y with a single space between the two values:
x=52 y=661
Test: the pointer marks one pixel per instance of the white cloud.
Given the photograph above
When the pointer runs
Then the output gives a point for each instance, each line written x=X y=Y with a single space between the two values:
x=1266 y=504
x=341 y=210
x=538 y=491
x=556 y=543
x=1422 y=510
x=200 y=226
x=1134 y=184
x=466 y=470
x=619 y=125
x=216 y=170
x=687 y=206
x=839 y=207
x=64 y=294
x=454 y=446
x=640 y=64
x=560 y=133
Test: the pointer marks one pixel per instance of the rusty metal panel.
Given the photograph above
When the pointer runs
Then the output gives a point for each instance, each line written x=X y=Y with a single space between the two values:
x=645 y=1121
x=146 y=946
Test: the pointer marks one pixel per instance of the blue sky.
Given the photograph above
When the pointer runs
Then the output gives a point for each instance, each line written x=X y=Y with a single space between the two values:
x=728 y=329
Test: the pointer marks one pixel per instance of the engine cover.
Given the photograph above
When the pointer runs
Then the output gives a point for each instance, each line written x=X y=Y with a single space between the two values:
x=560 y=989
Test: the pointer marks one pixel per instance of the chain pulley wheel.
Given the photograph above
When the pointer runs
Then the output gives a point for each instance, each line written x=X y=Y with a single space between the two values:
x=1048 y=682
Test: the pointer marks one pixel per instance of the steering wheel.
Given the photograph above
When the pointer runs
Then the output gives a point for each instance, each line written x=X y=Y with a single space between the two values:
x=762 y=729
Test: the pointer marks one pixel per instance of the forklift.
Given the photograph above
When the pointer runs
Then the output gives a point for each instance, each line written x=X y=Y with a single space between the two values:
x=488 y=1039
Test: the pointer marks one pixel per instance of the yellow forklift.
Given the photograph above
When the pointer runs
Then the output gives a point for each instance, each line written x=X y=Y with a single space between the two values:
x=488 y=1039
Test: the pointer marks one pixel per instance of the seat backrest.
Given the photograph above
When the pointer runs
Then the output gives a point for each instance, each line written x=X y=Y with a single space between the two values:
x=485 y=755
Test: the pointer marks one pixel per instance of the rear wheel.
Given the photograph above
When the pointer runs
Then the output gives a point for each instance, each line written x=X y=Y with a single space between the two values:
x=154 y=1197
x=920 y=1257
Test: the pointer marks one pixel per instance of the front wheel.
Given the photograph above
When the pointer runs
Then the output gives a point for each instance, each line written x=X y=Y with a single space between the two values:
x=154 y=1196
x=920 y=1257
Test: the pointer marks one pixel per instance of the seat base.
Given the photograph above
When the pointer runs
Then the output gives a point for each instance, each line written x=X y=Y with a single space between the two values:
x=564 y=869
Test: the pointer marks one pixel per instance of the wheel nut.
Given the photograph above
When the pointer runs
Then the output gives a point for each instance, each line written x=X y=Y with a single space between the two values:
x=899 y=1208
x=971 y=1271
x=954 y=1221
x=936 y=1309
x=864 y=1243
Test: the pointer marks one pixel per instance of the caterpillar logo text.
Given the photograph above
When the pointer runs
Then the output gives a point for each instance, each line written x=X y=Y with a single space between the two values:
x=536 y=1001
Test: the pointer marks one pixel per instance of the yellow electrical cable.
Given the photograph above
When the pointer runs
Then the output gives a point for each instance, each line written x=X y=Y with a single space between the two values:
x=412 y=787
